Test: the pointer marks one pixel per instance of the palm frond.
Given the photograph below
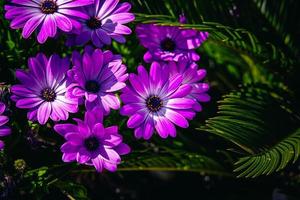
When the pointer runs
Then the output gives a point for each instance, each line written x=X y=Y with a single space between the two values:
x=279 y=15
x=274 y=159
x=263 y=124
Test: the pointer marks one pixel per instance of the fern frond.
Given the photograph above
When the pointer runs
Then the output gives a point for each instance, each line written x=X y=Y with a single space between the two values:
x=270 y=160
x=277 y=14
x=263 y=124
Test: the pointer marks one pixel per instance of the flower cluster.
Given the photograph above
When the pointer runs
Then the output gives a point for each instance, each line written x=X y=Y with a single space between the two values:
x=171 y=93
x=96 y=20
x=105 y=22
x=53 y=88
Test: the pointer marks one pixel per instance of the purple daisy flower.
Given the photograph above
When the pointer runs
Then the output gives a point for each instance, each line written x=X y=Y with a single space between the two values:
x=4 y=130
x=156 y=101
x=193 y=76
x=42 y=89
x=45 y=15
x=90 y=143
x=106 y=21
x=167 y=43
x=95 y=77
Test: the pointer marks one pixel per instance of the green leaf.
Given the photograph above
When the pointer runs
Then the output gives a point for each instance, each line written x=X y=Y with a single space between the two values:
x=279 y=15
x=270 y=160
x=174 y=160
x=261 y=121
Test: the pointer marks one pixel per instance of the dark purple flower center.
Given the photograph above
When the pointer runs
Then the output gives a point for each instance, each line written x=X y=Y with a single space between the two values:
x=168 y=44
x=91 y=143
x=93 y=23
x=48 y=94
x=48 y=7
x=92 y=86
x=154 y=103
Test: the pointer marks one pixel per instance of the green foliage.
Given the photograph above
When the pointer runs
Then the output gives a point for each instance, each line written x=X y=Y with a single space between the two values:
x=174 y=160
x=272 y=159
x=263 y=124
x=279 y=15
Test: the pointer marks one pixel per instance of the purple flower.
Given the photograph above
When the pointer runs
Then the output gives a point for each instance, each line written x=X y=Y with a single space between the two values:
x=42 y=89
x=105 y=22
x=90 y=143
x=166 y=43
x=193 y=76
x=45 y=15
x=156 y=101
x=4 y=130
x=95 y=77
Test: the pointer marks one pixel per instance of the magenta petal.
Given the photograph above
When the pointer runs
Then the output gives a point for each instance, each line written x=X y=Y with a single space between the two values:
x=118 y=38
x=164 y=127
x=203 y=97
x=98 y=163
x=130 y=109
x=83 y=37
x=83 y=155
x=43 y=34
x=74 y=138
x=95 y=39
x=63 y=129
x=94 y=116
x=63 y=22
x=148 y=57
x=137 y=85
x=68 y=148
x=113 y=140
x=50 y=23
x=176 y=118
x=71 y=4
x=112 y=101
x=111 y=155
x=123 y=149
x=69 y=157
x=136 y=119
x=43 y=112
x=188 y=114
x=110 y=166
x=4 y=131
x=98 y=130
x=31 y=25
x=29 y=102
x=58 y=113
x=105 y=39
x=107 y=7
x=148 y=128
x=180 y=103
x=138 y=132
x=182 y=91
x=3 y=120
